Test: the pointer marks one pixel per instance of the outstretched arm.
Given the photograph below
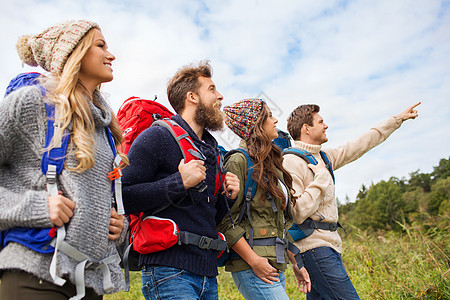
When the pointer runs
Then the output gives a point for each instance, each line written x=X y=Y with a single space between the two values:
x=354 y=149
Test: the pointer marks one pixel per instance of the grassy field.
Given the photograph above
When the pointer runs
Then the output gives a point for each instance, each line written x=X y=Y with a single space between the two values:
x=413 y=264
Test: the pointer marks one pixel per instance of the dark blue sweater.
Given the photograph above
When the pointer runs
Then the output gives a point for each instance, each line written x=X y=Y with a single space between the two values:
x=152 y=181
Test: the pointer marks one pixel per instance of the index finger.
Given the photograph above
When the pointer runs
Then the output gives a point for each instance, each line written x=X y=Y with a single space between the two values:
x=114 y=212
x=418 y=103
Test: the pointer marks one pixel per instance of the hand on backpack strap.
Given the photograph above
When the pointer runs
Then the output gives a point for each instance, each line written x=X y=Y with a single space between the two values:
x=231 y=185
x=192 y=173
x=116 y=223
x=60 y=209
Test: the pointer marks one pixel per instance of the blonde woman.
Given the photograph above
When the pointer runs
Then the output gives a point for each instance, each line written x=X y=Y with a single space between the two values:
x=76 y=57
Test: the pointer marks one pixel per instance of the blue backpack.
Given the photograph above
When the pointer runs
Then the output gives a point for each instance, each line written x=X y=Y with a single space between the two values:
x=283 y=140
x=37 y=239
x=45 y=240
x=300 y=231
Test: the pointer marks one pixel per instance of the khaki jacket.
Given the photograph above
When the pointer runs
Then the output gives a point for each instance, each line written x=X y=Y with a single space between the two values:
x=266 y=223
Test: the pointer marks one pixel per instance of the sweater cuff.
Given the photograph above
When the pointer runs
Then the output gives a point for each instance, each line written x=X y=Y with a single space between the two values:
x=176 y=187
x=36 y=211
x=398 y=120
x=123 y=234
x=234 y=235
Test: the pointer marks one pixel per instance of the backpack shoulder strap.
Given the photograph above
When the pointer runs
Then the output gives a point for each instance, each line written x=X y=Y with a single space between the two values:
x=250 y=184
x=310 y=159
x=305 y=155
x=249 y=192
x=24 y=79
x=52 y=162
x=183 y=139
x=116 y=175
x=187 y=147
x=327 y=164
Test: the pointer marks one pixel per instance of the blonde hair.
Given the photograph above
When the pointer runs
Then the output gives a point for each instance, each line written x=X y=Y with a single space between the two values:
x=72 y=108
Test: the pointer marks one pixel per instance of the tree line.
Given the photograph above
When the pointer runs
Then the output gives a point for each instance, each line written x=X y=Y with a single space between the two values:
x=388 y=205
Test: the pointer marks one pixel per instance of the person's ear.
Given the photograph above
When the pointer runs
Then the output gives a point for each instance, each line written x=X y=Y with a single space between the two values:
x=305 y=128
x=192 y=97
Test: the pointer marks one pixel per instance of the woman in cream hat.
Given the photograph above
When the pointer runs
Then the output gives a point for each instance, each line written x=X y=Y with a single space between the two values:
x=85 y=263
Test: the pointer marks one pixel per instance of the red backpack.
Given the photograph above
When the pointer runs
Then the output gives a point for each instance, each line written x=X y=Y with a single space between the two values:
x=149 y=234
x=137 y=114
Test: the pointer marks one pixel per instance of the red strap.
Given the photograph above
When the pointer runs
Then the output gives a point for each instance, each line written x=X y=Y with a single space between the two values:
x=186 y=144
x=220 y=177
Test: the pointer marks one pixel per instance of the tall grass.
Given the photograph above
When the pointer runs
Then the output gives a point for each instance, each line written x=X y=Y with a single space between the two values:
x=411 y=264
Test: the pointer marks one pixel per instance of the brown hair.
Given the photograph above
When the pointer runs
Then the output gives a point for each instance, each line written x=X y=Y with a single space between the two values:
x=185 y=81
x=303 y=114
x=267 y=158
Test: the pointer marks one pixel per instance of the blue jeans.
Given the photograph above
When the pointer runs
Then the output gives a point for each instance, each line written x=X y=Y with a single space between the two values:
x=251 y=287
x=159 y=282
x=329 y=279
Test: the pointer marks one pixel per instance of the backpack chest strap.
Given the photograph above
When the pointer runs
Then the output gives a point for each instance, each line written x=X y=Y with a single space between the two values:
x=281 y=245
x=311 y=224
x=203 y=242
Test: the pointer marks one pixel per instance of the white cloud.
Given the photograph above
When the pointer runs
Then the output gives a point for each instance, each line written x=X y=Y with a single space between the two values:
x=361 y=61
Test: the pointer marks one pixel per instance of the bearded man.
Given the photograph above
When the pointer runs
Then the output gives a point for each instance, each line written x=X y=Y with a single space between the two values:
x=159 y=182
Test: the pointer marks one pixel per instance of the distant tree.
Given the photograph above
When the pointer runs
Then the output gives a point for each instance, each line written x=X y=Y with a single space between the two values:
x=440 y=195
x=380 y=205
x=399 y=182
x=442 y=171
x=362 y=193
x=412 y=199
x=347 y=213
x=422 y=180
x=380 y=208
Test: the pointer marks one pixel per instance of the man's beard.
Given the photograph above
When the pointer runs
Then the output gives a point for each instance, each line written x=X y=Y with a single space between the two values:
x=209 y=117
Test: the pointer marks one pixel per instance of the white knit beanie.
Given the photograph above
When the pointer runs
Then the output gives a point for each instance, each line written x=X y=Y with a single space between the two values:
x=51 y=48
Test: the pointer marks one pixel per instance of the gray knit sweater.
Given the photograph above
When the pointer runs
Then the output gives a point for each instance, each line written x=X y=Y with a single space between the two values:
x=23 y=196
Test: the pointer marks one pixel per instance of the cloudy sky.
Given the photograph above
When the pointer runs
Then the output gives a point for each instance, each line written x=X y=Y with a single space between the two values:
x=361 y=61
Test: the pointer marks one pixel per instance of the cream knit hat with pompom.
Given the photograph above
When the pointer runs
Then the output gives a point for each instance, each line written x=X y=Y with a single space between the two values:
x=51 y=48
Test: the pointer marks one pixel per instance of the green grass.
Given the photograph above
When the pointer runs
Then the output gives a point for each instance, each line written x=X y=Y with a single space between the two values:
x=412 y=264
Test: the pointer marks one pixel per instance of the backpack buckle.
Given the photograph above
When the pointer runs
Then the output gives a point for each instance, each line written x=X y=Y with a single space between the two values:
x=115 y=174
x=204 y=243
x=333 y=226
x=51 y=174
